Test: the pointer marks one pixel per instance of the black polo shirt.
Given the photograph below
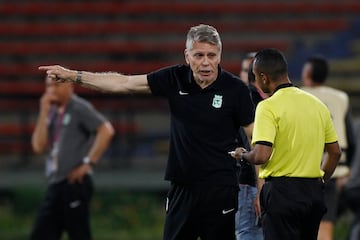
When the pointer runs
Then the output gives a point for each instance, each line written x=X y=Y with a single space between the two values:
x=204 y=124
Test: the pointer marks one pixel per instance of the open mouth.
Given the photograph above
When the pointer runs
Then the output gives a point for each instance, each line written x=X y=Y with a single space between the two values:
x=205 y=72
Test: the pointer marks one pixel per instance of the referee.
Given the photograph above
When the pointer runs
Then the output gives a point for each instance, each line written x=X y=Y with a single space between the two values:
x=291 y=130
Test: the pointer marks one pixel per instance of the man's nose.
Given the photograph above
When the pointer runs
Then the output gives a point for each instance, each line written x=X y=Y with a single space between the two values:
x=205 y=61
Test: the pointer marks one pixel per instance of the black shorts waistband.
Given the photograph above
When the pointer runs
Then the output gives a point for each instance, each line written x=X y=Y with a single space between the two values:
x=269 y=179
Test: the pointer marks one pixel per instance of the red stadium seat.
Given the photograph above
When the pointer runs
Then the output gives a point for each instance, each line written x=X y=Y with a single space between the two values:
x=137 y=37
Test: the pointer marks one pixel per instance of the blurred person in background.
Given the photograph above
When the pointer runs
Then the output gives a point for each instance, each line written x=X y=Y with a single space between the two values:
x=74 y=135
x=247 y=218
x=290 y=150
x=314 y=75
x=207 y=107
x=352 y=189
x=245 y=65
x=256 y=93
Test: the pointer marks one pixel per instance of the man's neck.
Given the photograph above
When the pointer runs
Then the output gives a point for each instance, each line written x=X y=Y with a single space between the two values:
x=62 y=106
x=314 y=84
x=203 y=84
x=275 y=86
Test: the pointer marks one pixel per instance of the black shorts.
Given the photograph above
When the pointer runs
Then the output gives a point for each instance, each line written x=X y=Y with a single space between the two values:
x=203 y=211
x=291 y=208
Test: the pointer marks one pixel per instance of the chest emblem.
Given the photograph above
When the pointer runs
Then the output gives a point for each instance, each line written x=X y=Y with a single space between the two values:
x=217 y=101
x=66 y=119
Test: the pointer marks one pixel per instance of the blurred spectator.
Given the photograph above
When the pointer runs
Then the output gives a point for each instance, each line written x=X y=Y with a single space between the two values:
x=314 y=75
x=247 y=76
x=247 y=218
x=352 y=188
x=245 y=65
x=75 y=136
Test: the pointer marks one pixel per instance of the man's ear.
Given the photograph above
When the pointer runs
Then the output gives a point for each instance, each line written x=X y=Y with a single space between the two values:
x=264 y=78
x=186 y=54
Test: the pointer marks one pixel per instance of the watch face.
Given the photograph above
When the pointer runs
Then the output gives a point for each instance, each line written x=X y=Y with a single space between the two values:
x=86 y=160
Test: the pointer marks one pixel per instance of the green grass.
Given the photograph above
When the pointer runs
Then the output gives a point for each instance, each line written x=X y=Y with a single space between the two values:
x=115 y=215
x=342 y=227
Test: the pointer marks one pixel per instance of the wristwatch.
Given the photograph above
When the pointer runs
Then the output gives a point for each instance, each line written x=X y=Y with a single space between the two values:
x=86 y=160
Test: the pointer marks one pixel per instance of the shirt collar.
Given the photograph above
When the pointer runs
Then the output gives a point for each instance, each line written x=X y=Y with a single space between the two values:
x=284 y=85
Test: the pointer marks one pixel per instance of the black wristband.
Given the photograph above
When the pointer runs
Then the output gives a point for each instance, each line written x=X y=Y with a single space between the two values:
x=78 y=77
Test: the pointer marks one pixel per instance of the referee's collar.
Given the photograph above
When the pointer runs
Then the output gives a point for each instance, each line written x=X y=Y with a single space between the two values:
x=284 y=85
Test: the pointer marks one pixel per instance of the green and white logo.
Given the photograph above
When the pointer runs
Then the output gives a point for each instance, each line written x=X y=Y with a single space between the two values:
x=66 y=119
x=217 y=101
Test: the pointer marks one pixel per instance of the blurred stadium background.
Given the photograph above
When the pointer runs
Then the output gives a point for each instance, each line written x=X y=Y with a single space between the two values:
x=140 y=36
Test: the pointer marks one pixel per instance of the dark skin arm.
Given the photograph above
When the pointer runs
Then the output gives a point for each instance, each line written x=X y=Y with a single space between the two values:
x=103 y=137
x=261 y=154
x=258 y=155
x=331 y=159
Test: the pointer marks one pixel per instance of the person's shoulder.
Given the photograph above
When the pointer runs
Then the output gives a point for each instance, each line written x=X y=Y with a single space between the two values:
x=176 y=68
x=327 y=90
x=232 y=80
x=79 y=100
x=266 y=105
x=308 y=94
x=80 y=103
x=314 y=100
x=178 y=71
x=336 y=92
x=228 y=75
x=182 y=70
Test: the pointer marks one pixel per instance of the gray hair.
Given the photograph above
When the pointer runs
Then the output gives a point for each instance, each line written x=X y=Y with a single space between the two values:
x=205 y=34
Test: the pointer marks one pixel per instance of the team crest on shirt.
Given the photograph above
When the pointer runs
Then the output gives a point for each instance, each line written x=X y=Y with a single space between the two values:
x=67 y=119
x=217 y=101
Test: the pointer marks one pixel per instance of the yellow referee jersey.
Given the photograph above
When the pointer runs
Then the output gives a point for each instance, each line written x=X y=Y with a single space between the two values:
x=298 y=125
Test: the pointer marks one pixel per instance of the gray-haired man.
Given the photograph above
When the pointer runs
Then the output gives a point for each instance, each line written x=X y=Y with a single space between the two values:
x=207 y=106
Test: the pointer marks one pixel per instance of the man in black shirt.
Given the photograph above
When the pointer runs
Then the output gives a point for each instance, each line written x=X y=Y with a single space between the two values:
x=207 y=107
x=247 y=217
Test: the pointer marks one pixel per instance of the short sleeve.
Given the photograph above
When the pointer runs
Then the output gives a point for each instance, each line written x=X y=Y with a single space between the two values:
x=247 y=108
x=264 y=125
x=90 y=118
x=160 y=81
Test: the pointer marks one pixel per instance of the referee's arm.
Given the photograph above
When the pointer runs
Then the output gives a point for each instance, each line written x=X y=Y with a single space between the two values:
x=260 y=153
x=331 y=159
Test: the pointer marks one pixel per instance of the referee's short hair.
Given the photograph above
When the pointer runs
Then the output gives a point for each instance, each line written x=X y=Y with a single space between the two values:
x=271 y=62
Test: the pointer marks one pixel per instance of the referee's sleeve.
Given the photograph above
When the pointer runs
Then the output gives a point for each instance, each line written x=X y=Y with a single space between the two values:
x=264 y=125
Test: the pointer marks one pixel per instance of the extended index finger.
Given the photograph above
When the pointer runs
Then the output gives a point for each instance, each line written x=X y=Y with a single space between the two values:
x=51 y=71
x=49 y=67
